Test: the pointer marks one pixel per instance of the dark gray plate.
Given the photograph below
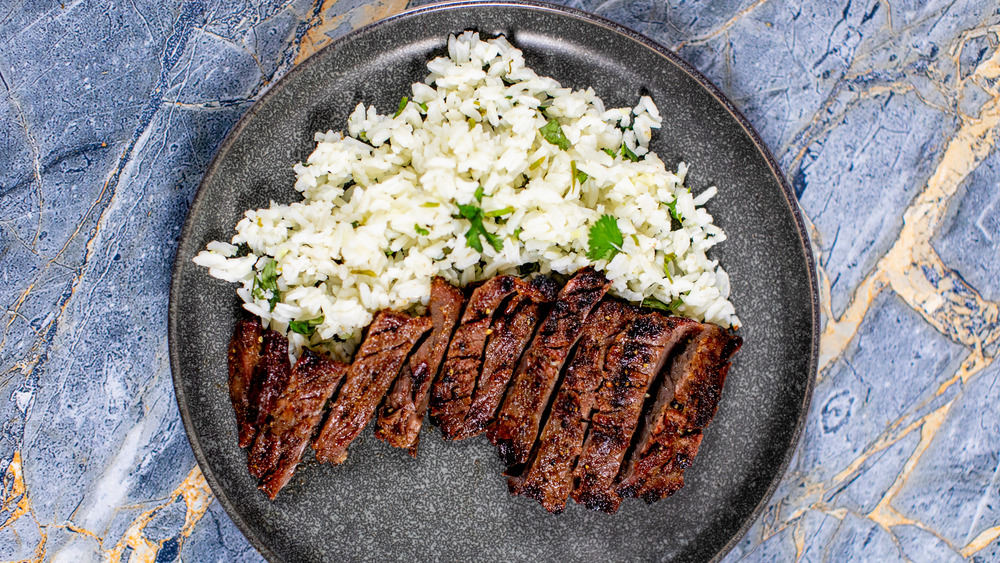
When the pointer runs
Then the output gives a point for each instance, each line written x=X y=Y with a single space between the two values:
x=452 y=503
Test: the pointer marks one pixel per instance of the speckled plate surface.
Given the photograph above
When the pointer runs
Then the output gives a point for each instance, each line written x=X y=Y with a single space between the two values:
x=452 y=503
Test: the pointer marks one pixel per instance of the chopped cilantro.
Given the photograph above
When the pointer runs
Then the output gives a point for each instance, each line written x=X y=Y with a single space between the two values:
x=517 y=233
x=629 y=154
x=472 y=124
x=605 y=239
x=477 y=229
x=635 y=239
x=402 y=106
x=368 y=273
x=610 y=152
x=552 y=133
x=430 y=204
x=355 y=224
x=536 y=163
x=666 y=265
x=499 y=212
x=655 y=304
x=420 y=230
x=579 y=176
x=266 y=281
x=479 y=194
x=305 y=327
x=423 y=107
x=672 y=206
x=528 y=269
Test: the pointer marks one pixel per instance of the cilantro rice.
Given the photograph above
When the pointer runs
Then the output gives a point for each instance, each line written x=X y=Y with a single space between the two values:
x=485 y=169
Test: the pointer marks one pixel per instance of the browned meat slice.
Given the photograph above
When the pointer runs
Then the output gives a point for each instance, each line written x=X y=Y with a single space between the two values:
x=391 y=337
x=296 y=415
x=515 y=429
x=244 y=353
x=510 y=333
x=452 y=392
x=271 y=377
x=685 y=404
x=402 y=415
x=548 y=477
x=633 y=360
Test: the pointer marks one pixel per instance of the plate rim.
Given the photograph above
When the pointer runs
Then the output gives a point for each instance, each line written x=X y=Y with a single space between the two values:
x=531 y=5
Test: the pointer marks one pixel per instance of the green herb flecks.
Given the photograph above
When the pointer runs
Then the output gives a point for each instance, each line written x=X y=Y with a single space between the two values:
x=499 y=212
x=368 y=273
x=265 y=281
x=553 y=133
x=402 y=106
x=479 y=194
x=420 y=230
x=536 y=163
x=652 y=303
x=305 y=327
x=610 y=152
x=423 y=107
x=517 y=233
x=430 y=204
x=605 y=240
x=672 y=207
x=579 y=176
x=476 y=229
x=666 y=265
x=629 y=154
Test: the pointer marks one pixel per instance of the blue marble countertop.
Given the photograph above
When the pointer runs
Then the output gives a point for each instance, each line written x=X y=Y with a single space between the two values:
x=884 y=114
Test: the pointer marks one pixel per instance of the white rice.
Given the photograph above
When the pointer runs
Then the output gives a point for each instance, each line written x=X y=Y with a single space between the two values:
x=355 y=243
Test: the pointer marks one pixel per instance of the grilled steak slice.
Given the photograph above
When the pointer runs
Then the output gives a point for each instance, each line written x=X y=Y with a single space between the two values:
x=402 y=415
x=685 y=404
x=632 y=362
x=271 y=377
x=296 y=415
x=517 y=425
x=452 y=392
x=391 y=337
x=548 y=477
x=244 y=354
x=510 y=333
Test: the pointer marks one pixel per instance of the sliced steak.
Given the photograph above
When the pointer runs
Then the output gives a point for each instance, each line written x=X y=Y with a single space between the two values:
x=271 y=377
x=548 y=477
x=296 y=415
x=517 y=425
x=451 y=394
x=510 y=333
x=244 y=354
x=633 y=360
x=402 y=415
x=685 y=404
x=391 y=337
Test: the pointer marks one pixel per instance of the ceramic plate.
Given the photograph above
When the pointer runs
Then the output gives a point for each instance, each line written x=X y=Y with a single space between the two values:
x=452 y=503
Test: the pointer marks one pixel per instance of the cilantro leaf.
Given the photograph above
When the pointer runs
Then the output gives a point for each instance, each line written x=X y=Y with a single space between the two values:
x=666 y=265
x=305 y=327
x=536 y=163
x=430 y=204
x=479 y=194
x=655 y=304
x=553 y=133
x=672 y=206
x=629 y=154
x=266 y=281
x=579 y=176
x=402 y=106
x=420 y=230
x=605 y=239
x=610 y=152
x=477 y=229
x=423 y=107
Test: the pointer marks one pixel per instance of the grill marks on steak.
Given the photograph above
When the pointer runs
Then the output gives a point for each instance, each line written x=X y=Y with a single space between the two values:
x=451 y=394
x=244 y=354
x=402 y=415
x=270 y=377
x=685 y=404
x=517 y=425
x=548 y=477
x=508 y=348
x=296 y=415
x=511 y=332
x=391 y=337
x=634 y=358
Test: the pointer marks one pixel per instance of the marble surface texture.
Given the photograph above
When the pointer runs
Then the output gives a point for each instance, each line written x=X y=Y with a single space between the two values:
x=884 y=114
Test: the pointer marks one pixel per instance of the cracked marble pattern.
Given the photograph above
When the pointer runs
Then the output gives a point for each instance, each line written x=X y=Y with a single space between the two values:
x=885 y=115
